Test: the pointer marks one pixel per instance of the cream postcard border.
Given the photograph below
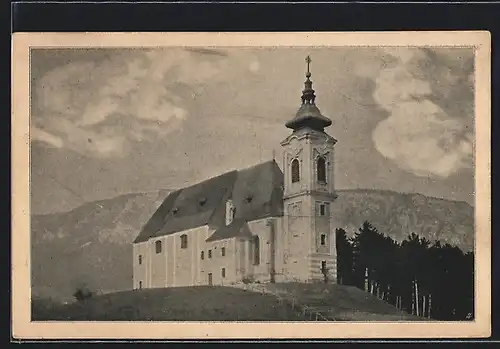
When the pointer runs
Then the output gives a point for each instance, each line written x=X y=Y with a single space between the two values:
x=23 y=328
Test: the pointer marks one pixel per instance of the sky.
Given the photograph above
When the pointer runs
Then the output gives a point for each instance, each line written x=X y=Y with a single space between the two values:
x=106 y=122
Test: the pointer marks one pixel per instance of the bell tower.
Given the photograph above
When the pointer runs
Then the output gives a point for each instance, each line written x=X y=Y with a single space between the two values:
x=309 y=191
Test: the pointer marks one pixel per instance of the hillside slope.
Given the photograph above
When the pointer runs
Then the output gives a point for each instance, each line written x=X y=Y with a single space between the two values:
x=91 y=244
x=338 y=302
x=205 y=303
x=202 y=303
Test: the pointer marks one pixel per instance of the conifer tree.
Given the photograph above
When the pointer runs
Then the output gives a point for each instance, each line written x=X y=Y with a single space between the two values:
x=434 y=280
x=344 y=258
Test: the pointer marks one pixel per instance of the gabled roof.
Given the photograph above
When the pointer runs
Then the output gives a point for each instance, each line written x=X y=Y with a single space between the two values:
x=256 y=193
x=156 y=222
x=238 y=228
x=188 y=208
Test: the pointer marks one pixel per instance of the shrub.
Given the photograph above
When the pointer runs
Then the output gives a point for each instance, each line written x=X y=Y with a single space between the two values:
x=248 y=280
x=82 y=293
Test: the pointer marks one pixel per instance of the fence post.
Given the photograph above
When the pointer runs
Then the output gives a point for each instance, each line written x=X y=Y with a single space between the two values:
x=423 y=306
x=416 y=298
x=413 y=297
x=430 y=303
x=366 y=281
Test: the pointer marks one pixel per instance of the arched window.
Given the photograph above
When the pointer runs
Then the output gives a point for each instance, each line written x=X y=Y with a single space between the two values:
x=158 y=246
x=256 y=250
x=321 y=169
x=323 y=239
x=322 y=209
x=184 y=241
x=295 y=171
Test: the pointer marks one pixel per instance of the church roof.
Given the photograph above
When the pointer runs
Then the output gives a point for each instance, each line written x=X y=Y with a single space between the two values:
x=238 y=228
x=257 y=192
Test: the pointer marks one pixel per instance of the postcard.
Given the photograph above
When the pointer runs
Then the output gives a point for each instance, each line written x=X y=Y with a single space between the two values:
x=251 y=185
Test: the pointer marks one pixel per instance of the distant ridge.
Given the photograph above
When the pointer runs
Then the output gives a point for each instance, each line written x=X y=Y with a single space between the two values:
x=368 y=190
x=91 y=244
x=400 y=214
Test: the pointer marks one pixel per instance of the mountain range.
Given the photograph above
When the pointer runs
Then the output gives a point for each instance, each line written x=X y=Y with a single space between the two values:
x=91 y=245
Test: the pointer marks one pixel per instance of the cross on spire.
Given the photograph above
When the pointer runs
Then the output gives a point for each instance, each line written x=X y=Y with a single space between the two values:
x=308 y=93
x=308 y=61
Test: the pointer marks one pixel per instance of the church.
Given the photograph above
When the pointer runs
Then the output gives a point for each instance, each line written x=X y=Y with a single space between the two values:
x=259 y=224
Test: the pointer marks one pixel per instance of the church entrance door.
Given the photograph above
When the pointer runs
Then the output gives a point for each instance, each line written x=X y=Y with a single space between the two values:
x=210 y=283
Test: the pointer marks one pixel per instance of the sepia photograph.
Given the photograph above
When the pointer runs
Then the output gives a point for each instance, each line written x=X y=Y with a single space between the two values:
x=238 y=180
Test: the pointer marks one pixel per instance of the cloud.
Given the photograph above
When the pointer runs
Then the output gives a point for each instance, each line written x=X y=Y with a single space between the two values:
x=98 y=107
x=425 y=132
x=45 y=137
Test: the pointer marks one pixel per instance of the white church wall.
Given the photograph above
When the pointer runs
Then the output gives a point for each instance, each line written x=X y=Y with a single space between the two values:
x=173 y=266
x=298 y=238
x=140 y=267
x=158 y=264
x=217 y=262
x=242 y=248
x=261 y=271
x=323 y=253
x=279 y=249
x=186 y=261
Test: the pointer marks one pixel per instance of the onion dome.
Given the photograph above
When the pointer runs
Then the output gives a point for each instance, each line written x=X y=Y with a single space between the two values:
x=308 y=114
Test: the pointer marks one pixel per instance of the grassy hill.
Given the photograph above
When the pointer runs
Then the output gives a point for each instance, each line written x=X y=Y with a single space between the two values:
x=201 y=303
x=91 y=245
x=205 y=303
x=340 y=302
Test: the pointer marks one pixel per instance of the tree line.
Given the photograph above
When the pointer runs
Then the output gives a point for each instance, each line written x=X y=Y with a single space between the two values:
x=432 y=280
